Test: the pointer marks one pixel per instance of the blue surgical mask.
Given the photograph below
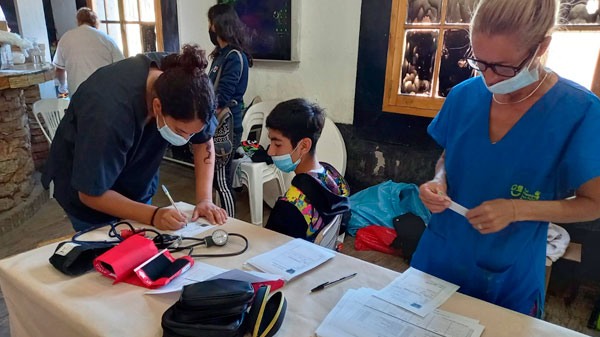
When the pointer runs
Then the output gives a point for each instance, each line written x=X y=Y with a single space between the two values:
x=284 y=162
x=169 y=135
x=524 y=78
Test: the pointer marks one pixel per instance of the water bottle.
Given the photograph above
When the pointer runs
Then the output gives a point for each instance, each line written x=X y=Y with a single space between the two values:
x=36 y=55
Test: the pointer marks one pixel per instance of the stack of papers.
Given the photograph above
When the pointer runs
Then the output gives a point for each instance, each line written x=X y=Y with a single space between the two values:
x=291 y=259
x=361 y=314
x=417 y=292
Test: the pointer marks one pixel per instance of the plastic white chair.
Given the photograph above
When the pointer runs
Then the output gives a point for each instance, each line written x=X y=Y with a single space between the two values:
x=254 y=175
x=255 y=115
x=52 y=111
x=331 y=147
x=328 y=236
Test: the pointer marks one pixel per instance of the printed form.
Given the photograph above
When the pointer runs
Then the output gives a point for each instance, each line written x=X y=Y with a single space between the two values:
x=417 y=292
x=352 y=318
x=291 y=259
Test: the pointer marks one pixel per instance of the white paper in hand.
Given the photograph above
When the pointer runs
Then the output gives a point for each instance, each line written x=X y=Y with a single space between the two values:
x=458 y=208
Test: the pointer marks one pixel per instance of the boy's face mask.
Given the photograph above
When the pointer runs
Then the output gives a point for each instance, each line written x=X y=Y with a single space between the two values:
x=285 y=163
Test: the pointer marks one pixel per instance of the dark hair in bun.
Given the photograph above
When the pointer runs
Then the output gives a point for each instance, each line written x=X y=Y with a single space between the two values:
x=184 y=89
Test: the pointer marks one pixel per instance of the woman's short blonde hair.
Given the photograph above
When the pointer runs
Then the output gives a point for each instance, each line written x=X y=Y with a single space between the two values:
x=529 y=20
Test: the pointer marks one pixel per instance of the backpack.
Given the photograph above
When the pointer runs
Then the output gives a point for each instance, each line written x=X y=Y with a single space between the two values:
x=223 y=137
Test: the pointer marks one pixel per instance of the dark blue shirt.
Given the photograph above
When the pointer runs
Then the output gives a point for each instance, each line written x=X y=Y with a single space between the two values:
x=104 y=141
x=233 y=82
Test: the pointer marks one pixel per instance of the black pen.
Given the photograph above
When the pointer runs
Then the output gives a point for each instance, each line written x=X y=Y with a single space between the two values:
x=327 y=284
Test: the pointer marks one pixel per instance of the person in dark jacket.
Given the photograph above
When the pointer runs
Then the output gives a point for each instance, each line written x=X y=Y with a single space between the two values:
x=107 y=150
x=230 y=64
x=318 y=192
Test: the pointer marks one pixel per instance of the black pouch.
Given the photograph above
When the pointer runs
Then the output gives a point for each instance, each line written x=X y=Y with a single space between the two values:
x=225 y=327
x=77 y=258
x=219 y=308
x=216 y=294
x=267 y=313
x=187 y=315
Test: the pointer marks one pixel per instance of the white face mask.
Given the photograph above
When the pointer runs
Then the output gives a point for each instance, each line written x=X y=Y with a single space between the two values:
x=169 y=135
x=524 y=78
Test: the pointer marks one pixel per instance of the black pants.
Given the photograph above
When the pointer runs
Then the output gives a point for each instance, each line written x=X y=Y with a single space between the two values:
x=224 y=177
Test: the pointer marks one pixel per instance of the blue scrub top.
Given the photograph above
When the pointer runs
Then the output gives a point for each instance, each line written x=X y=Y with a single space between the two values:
x=551 y=151
x=104 y=141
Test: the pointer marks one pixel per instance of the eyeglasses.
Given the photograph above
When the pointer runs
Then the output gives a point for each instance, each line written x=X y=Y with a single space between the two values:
x=502 y=70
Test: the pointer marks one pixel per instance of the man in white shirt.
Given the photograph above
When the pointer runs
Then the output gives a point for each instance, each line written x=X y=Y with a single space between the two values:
x=81 y=51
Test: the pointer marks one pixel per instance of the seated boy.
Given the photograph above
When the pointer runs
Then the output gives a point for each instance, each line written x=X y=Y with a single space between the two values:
x=318 y=192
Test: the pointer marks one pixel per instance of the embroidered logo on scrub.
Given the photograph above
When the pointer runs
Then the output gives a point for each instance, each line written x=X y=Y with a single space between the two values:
x=519 y=191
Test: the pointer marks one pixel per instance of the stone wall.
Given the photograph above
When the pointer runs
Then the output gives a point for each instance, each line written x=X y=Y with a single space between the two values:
x=39 y=143
x=370 y=162
x=16 y=164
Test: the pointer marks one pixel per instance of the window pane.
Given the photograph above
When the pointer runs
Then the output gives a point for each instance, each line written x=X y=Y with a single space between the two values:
x=418 y=61
x=424 y=11
x=100 y=10
x=103 y=27
x=454 y=67
x=147 y=10
x=130 y=9
x=573 y=55
x=460 y=11
x=577 y=12
x=112 y=10
x=148 y=38
x=134 y=40
x=114 y=30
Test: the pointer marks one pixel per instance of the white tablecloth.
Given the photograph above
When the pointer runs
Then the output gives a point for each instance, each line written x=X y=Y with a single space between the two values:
x=44 y=302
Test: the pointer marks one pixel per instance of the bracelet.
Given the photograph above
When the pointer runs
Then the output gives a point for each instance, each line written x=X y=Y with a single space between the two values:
x=153 y=215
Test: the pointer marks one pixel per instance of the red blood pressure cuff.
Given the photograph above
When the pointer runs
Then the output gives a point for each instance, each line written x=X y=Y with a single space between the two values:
x=137 y=261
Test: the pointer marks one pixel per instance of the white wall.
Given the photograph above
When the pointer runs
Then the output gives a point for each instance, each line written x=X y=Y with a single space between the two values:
x=328 y=52
x=32 y=25
x=65 y=16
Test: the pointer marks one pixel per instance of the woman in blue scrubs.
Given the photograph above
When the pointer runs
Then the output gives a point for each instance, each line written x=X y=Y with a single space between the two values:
x=518 y=139
x=107 y=150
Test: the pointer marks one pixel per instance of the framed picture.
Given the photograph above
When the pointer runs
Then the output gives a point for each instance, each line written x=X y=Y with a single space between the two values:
x=269 y=25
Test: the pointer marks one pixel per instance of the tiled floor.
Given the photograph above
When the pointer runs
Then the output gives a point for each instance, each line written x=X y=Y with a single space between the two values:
x=50 y=223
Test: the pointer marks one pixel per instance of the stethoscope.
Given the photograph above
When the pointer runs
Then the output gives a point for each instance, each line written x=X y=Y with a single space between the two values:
x=173 y=243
